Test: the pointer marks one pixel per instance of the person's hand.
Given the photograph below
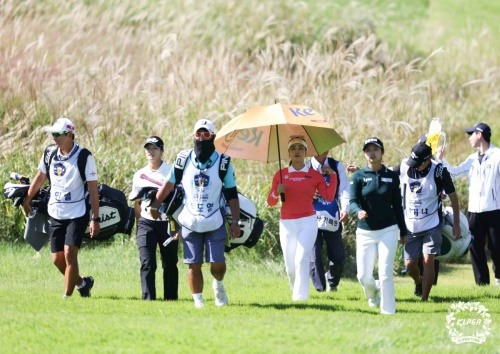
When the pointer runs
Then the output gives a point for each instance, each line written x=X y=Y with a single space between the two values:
x=235 y=230
x=327 y=170
x=280 y=189
x=154 y=213
x=352 y=168
x=362 y=215
x=440 y=152
x=404 y=240
x=457 y=232
x=95 y=228
x=27 y=207
x=343 y=217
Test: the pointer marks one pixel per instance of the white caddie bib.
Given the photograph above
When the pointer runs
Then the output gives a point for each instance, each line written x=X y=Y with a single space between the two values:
x=420 y=200
x=67 y=192
x=202 y=198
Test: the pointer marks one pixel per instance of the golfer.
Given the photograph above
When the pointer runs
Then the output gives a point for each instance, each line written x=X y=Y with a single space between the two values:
x=375 y=199
x=150 y=232
x=298 y=225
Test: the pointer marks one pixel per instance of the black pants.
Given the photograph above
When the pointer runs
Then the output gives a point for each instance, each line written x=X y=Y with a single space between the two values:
x=149 y=234
x=485 y=227
x=336 y=258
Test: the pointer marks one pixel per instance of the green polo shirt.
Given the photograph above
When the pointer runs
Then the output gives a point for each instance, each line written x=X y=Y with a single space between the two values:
x=377 y=193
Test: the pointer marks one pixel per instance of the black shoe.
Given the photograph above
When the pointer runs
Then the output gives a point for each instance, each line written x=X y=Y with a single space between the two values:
x=418 y=290
x=89 y=283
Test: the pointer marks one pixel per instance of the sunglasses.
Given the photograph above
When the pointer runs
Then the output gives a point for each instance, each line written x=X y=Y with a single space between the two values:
x=204 y=135
x=57 y=135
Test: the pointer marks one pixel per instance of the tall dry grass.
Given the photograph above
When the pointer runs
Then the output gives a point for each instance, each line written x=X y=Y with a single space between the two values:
x=123 y=70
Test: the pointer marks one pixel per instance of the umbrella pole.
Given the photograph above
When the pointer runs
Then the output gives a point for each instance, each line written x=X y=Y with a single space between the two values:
x=282 y=195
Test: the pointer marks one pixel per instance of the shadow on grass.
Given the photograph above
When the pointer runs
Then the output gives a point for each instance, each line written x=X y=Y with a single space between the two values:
x=302 y=306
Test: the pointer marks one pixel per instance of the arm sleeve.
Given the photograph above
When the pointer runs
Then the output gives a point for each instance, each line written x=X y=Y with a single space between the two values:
x=327 y=191
x=41 y=166
x=355 y=195
x=230 y=178
x=230 y=193
x=397 y=205
x=91 y=169
x=460 y=170
x=446 y=182
x=343 y=188
x=171 y=176
x=272 y=201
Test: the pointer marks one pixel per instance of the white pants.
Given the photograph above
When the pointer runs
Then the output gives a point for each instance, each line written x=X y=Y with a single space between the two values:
x=369 y=243
x=297 y=237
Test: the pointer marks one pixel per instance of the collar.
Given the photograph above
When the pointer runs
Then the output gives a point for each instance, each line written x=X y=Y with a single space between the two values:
x=303 y=169
x=207 y=164
x=315 y=164
x=61 y=157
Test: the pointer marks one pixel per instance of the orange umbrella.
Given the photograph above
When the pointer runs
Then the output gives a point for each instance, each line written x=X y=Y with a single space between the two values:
x=262 y=132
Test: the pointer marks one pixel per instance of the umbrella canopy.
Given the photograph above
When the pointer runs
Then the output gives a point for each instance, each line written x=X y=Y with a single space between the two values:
x=262 y=133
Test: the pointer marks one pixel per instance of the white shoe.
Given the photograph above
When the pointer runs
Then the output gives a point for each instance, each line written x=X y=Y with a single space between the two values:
x=497 y=282
x=220 y=294
x=198 y=303
x=327 y=287
x=374 y=301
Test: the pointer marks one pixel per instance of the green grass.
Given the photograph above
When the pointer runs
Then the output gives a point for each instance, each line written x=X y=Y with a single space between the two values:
x=260 y=318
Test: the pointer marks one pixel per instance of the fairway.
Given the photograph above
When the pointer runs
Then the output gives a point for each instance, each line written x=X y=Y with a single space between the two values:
x=260 y=317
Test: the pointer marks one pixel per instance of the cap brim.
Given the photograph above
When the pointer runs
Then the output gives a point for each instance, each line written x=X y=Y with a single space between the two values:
x=470 y=130
x=413 y=163
x=53 y=130
x=151 y=144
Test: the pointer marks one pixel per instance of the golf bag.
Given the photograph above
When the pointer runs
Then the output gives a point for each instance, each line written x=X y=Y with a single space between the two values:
x=450 y=248
x=116 y=216
x=250 y=223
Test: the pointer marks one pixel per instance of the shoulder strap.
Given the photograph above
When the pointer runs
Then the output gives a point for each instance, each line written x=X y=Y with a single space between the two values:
x=223 y=166
x=48 y=156
x=180 y=164
x=82 y=163
x=334 y=164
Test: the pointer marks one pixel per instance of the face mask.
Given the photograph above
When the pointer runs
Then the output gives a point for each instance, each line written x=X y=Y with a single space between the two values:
x=203 y=149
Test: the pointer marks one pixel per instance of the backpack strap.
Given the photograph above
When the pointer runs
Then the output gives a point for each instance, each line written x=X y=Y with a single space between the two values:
x=82 y=163
x=334 y=164
x=223 y=166
x=180 y=164
x=48 y=156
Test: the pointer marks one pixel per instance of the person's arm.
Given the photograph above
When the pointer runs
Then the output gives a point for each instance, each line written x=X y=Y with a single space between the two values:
x=166 y=188
x=234 y=205
x=33 y=190
x=460 y=170
x=137 y=209
x=94 y=206
x=343 y=192
x=327 y=191
x=397 y=205
x=355 y=195
x=273 y=195
x=457 y=232
x=231 y=194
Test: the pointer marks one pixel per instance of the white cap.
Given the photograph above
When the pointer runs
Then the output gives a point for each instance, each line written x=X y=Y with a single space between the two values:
x=62 y=125
x=204 y=124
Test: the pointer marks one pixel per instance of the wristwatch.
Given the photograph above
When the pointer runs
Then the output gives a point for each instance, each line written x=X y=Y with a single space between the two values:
x=236 y=222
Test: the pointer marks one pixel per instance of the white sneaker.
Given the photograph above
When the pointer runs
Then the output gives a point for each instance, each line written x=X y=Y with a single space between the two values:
x=327 y=287
x=220 y=294
x=497 y=282
x=198 y=303
x=374 y=301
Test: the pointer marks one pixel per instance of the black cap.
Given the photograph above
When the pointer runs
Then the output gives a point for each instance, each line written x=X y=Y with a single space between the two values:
x=419 y=154
x=154 y=140
x=374 y=141
x=480 y=127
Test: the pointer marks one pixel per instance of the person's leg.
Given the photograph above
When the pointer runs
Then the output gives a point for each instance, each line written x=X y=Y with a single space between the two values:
x=169 y=261
x=305 y=244
x=316 y=268
x=57 y=230
x=288 y=241
x=336 y=256
x=478 y=229
x=146 y=243
x=366 y=253
x=431 y=247
x=215 y=245
x=193 y=257
x=386 y=252
x=412 y=255
x=493 y=222
x=71 y=275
